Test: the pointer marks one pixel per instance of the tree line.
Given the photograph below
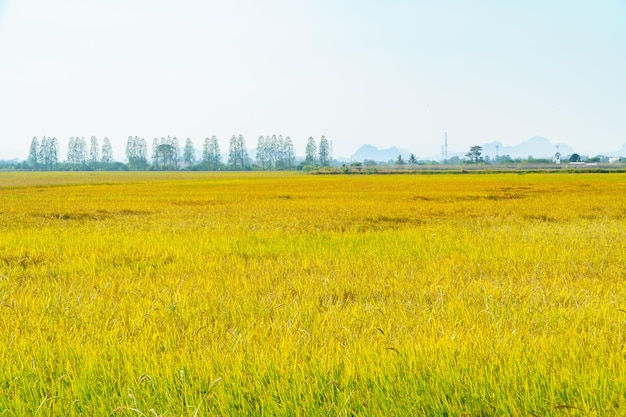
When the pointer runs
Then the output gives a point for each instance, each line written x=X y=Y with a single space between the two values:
x=272 y=153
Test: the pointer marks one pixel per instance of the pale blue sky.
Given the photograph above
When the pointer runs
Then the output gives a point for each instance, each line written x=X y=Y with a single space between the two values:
x=394 y=72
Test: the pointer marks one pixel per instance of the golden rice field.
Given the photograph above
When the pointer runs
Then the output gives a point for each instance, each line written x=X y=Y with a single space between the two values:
x=260 y=294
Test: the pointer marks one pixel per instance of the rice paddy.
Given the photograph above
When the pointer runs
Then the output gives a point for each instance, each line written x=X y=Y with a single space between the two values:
x=282 y=294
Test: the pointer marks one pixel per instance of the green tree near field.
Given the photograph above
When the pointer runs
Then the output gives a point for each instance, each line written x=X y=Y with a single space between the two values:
x=49 y=152
x=77 y=152
x=165 y=153
x=94 y=152
x=324 y=152
x=310 y=152
x=275 y=153
x=211 y=156
x=107 y=152
x=262 y=152
x=574 y=158
x=238 y=158
x=412 y=160
x=33 y=153
x=277 y=146
x=189 y=153
x=474 y=155
x=289 y=155
x=137 y=153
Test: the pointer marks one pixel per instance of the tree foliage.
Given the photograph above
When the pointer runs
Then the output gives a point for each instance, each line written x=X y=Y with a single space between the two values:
x=165 y=153
x=137 y=153
x=33 y=152
x=324 y=152
x=310 y=152
x=94 y=151
x=48 y=152
x=474 y=154
x=238 y=158
x=275 y=153
x=77 y=151
x=211 y=156
x=107 y=152
x=189 y=153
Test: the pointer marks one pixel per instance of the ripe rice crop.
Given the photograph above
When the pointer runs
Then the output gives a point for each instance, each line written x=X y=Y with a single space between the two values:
x=199 y=294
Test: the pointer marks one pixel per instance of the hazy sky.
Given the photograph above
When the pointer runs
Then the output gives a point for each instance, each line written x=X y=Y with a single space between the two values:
x=382 y=72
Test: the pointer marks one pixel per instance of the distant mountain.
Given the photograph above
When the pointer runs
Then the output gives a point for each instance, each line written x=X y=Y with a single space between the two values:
x=619 y=152
x=537 y=146
x=379 y=155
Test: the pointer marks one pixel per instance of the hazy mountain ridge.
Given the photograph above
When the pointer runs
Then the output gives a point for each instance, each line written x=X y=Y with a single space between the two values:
x=536 y=146
x=379 y=155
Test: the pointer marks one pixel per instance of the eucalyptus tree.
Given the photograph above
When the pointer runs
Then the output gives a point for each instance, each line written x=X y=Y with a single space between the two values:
x=137 y=153
x=310 y=152
x=289 y=156
x=155 y=153
x=49 y=152
x=211 y=156
x=80 y=151
x=166 y=153
x=238 y=158
x=107 y=152
x=324 y=152
x=189 y=153
x=94 y=151
x=278 y=144
x=262 y=152
x=76 y=151
x=33 y=152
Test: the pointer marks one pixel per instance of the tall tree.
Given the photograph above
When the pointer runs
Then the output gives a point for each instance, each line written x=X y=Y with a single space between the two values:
x=310 y=153
x=324 y=152
x=165 y=152
x=53 y=151
x=474 y=154
x=206 y=152
x=107 y=152
x=232 y=152
x=279 y=156
x=289 y=155
x=189 y=153
x=237 y=153
x=94 y=151
x=33 y=152
x=244 y=159
x=49 y=152
x=131 y=153
x=175 y=151
x=71 y=151
x=155 y=153
x=211 y=156
x=137 y=153
x=81 y=150
x=262 y=157
x=43 y=151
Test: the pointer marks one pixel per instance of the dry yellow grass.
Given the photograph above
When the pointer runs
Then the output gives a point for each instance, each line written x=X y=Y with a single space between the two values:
x=284 y=294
